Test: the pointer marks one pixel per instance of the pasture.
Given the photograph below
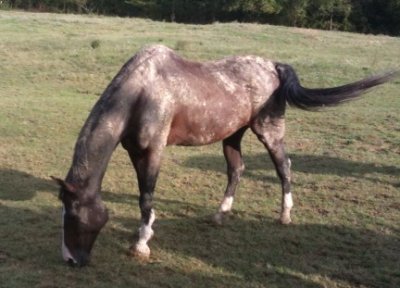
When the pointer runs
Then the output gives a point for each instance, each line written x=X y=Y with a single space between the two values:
x=345 y=162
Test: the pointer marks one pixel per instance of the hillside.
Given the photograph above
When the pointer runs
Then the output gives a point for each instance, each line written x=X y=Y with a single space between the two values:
x=346 y=163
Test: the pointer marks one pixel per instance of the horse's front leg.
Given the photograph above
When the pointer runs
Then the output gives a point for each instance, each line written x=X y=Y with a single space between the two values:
x=235 y=168
x=147 y=165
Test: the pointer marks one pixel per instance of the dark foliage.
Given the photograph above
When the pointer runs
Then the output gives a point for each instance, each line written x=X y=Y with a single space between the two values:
x=366 y=16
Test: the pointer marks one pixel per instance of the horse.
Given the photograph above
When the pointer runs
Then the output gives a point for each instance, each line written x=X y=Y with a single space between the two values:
x=158 y=99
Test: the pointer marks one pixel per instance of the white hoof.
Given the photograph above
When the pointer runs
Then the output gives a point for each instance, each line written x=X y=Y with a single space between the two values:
x=141 y=251
x=285 y=219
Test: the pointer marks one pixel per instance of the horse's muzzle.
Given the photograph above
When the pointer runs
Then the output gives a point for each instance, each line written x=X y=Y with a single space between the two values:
x=81 y=260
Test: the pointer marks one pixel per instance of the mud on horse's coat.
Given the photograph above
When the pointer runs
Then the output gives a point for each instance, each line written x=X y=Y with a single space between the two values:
x=159 y=99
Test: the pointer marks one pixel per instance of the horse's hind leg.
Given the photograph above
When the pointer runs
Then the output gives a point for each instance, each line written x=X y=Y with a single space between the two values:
x=235 y=168
x=147 y=165
x=270 y=132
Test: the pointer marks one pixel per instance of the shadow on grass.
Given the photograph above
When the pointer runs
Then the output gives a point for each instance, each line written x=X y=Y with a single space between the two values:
x=261 y=252
x=312 y=164
x=21 y=186
x=250 y=250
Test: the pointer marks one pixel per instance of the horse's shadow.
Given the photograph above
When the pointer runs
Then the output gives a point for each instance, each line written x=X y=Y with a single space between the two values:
x=20 y=186
x=259 y=251
x=312 y=164
x=250 y=249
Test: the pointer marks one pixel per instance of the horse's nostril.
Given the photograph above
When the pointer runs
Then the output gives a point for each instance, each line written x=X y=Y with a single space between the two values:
x=71 y=262
x=81 y=262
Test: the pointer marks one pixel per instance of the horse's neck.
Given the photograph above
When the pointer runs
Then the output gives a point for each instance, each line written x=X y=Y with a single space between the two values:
x=96 y=142
x=100 y=135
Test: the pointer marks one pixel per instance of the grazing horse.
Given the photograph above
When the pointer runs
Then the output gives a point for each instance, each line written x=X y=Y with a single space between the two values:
x=159 y=99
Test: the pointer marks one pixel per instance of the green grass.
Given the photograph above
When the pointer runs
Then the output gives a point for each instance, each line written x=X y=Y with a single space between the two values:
x=346 y=163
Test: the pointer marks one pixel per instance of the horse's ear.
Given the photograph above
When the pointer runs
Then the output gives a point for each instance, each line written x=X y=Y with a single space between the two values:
x=67 y=186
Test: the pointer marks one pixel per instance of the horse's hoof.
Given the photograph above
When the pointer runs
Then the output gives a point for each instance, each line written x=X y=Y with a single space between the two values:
x=218 y=219
x=140 y=251
x=285 y=220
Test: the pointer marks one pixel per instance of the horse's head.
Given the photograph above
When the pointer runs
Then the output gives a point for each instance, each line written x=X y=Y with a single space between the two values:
x=82 y=218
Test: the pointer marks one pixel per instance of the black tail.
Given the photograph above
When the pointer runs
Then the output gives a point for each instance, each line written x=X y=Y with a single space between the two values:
x=312 y=99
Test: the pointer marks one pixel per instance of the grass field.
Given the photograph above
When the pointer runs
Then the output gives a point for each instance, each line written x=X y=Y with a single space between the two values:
x=346 y=163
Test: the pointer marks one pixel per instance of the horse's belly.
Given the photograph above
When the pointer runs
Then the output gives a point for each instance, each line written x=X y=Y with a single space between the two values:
x=205 y=127
x=192 y=137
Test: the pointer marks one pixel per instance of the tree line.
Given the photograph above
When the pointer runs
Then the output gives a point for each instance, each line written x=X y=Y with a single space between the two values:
x=366 y=16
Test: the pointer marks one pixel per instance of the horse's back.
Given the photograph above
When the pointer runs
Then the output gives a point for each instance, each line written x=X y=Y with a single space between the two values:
x=193 y=103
